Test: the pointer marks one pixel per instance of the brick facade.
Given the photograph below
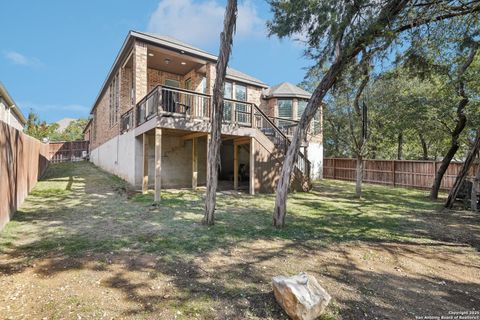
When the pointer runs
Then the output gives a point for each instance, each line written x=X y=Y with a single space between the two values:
x=137 y=79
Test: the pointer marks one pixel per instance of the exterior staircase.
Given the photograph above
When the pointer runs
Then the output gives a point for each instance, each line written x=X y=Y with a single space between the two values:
x=240 y=118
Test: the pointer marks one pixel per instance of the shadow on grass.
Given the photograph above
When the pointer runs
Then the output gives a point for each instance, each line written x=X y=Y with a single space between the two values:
x=79 y=214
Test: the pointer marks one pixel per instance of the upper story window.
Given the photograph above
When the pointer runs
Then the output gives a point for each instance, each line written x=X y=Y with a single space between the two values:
x=203 y=85
x=94 y=125
x=285 y=107
x=172 y=83
x=227 y=105
x=240 y=92
x=188 y=84
x=228 y=90
x=114 y=100
x=302 y=104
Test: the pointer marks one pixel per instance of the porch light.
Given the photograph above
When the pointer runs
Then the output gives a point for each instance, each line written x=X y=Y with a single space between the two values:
x=183 y=63
x=150 y=54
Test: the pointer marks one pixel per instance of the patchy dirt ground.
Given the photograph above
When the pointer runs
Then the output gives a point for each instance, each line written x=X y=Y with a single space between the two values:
x=81 y=247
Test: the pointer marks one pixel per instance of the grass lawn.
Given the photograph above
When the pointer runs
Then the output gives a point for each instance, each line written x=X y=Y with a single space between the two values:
x=84 y=246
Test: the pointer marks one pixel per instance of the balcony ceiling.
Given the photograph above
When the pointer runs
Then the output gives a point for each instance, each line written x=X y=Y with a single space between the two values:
x=161 y=57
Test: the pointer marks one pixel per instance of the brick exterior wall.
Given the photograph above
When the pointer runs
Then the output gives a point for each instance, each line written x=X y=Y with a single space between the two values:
x=136 y=80
x=126 y=86
x=140 y=70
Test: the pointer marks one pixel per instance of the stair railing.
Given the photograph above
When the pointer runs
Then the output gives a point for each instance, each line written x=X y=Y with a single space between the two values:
x=266 y=125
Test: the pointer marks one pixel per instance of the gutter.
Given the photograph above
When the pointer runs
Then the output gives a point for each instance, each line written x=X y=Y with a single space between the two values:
x=11 y=105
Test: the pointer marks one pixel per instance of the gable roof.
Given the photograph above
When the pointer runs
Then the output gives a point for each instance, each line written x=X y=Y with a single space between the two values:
x=11 y=104
x=286 y=90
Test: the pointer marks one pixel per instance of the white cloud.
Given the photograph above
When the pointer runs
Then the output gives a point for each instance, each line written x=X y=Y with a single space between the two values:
x=201 y=23
x=20 y=59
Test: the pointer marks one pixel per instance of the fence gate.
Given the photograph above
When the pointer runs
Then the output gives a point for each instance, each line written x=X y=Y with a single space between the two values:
x=65 y=151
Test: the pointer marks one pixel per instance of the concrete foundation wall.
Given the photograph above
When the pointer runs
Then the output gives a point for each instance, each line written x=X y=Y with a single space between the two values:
x=177 y=162
x=117 y=156
x=315 y=156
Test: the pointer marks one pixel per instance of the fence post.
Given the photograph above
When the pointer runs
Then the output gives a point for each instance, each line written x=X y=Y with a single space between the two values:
x=334 y=165
x=393 y=173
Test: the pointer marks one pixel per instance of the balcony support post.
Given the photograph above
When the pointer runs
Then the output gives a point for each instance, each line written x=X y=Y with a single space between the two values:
x=194 y=164
x=158 y=163
x=252 y=166
x=145 y=164
x=235 y=165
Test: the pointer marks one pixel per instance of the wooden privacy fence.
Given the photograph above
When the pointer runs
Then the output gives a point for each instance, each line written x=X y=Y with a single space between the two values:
x=65 y=151
x=23 y=160
x=402 y=173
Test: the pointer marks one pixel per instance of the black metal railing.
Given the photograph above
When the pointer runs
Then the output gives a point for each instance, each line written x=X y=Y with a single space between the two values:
x=267 y=125
x=126 y=121
x=174 y=101
x=169 y=100
x=237 y=112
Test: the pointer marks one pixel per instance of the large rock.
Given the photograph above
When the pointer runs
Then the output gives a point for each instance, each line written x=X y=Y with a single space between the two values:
x=301 y=296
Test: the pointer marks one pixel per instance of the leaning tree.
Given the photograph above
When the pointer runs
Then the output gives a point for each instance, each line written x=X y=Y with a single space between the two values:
x=226 y=40
x=337 y=32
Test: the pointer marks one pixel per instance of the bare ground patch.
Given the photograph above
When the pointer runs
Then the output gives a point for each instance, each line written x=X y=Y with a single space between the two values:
x=82 y=246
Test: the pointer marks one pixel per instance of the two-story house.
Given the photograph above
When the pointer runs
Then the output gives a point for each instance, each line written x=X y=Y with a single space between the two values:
x=151 y=119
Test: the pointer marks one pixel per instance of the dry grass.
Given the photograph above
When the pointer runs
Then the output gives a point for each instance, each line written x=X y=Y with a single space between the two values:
x=82 y=245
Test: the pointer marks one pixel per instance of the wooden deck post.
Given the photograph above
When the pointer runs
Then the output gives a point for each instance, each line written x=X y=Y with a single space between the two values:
x=158 y=163
x=252 y=166
x=194 y=164
x=235 y=166
x=208 y=141
x=145 y=163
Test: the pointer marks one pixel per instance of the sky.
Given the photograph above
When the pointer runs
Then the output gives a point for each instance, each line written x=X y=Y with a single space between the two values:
x=55 y=54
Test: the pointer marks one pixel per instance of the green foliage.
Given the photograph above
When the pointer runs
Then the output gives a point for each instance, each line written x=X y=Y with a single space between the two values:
x=74 y=131
x=39 y=129
x=412 y=97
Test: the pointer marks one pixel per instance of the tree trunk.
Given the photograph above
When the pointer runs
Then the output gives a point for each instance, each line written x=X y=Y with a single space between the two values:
x=359 y=177
x=424 y=146
x=344 y=55
x=213 y=157
x=441 y=170
x=400 y=146
x=463 y=172
x=362 y=116
x=460 y=125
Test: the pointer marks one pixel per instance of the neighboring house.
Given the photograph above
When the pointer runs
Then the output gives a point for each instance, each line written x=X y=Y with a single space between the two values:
x=10 y=113
x=150 y=121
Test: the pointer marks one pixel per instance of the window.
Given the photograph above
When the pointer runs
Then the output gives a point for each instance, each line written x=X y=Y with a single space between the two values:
x=302 y=104
x=240 y=92
x=172 y=83
x=94 y=125
x=188 y=84
x=241 y=108
x=284 y=111
x=317 y=123
x=203 y=85
x=114 y=100
x=227 y=105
